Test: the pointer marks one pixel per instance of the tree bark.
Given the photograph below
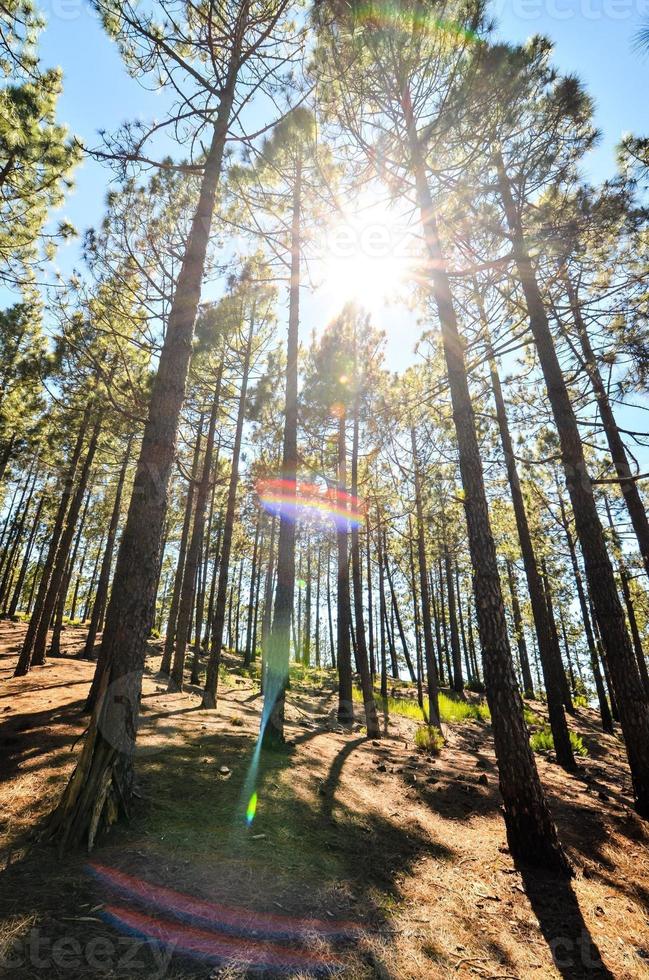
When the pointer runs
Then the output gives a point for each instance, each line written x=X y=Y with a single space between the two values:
x=399 y=622
x=172 y=621
x=429 y=652
x=212 y=674
x=530 y=831
x=102 y=784
x=415 y=613
x=382 y=611
x=18 y=588
x=55 y=642
x=528 y=684
x=370 y=614
x=104 y=575
x=562 y=680
x=458 y=682
x=617 y=449
x=192 y=558
x=629 y=693
x=23 y=509
x=345 y=712
x=625 y=579
x=548 y=646
x=278 y=652
x=25 y=655
x=247 y=656
x=63 y=551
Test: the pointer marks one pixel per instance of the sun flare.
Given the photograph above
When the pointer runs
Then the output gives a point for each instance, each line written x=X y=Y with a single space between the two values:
x=367 y=258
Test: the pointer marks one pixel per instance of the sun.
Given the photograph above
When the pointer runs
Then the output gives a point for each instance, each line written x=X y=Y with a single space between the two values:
x=367 y=257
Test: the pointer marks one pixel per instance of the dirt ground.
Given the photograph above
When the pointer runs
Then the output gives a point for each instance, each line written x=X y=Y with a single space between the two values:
x=364 y=859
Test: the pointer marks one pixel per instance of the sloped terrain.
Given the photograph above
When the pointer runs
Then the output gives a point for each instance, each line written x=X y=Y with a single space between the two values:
x=369 y=859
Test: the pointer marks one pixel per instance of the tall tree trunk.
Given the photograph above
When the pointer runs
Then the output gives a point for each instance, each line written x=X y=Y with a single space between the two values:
x=102 y=784
x=55 y=642
x=370 y=613
x=23 y=509
x=104 y=576
x=35 y=577
x=628 y=485
x=564 y=688
x=247 y=656
x=458 y=682
x=279 y=642
x=530 y=831
x=438 y=615
x=213 y=584
x=399 y=622
x=192 y=558
x=629 y=693
x=465 y=647
x=382 y=609
x=625 y=578
x=255 y=622
x=566 y=647
x=415 y=613
x=93 y=579
x=329 y=613
x=306 y=636
x=9 y=522
x=14 y=522
x=18 y=588
x=528 y=684
x=429 y=653
x=237 y=618
x=205 y=545
x=549 y=652
x=345 y=712
x=443 y=621
x=179 y=578
x=371 y=718
x=77 y=584
x=317 y=611
x=604 y=709
x=268 y=600
x=389 y=626
x=63 y=551
x=25 y=655
x=218 y=625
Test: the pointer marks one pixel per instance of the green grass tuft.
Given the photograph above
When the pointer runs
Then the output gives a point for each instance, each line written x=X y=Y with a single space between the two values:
x=531 y=718
x=429 y=739
x=452 y=712
x=542 y=741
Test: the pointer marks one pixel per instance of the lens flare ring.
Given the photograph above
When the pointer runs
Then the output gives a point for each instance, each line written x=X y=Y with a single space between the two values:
x=297 y=500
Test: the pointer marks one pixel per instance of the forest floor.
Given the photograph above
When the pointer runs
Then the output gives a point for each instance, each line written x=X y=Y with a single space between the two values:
x=366 y=857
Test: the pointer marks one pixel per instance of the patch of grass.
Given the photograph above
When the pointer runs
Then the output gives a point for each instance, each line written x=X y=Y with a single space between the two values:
x=531 y=718
x=429 y=739
x=542 y=742
x=452 y=712
x=313 y=676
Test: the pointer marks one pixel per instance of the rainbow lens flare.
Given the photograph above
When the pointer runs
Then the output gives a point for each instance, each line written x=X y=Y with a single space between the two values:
x=216 y=947
x=296 y=500
x=223 y=934
x=251 y=808
x=228 y=919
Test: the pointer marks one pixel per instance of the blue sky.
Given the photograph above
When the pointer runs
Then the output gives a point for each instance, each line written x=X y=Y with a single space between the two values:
x=593 y=39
